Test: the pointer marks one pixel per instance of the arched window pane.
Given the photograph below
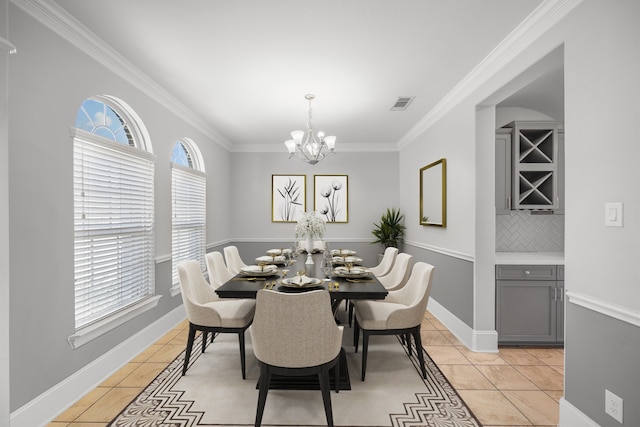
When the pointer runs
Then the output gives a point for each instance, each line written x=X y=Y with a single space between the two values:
x=180 y=155
x=100 y=119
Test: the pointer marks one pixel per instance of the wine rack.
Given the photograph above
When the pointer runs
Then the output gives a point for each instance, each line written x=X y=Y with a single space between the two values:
x=535 y=165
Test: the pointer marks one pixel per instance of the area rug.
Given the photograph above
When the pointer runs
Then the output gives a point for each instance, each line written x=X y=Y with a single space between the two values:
x=212 y=393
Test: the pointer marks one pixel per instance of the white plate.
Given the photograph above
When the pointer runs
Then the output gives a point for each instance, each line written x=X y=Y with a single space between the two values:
x=345 y=252
x=344 y=260
x=255 y=270
x=294 y=282
x=275 y=252
x=274 y=260
x=355 y=272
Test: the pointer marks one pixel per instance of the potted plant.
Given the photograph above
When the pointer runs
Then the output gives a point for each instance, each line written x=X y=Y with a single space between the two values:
x=390 y=230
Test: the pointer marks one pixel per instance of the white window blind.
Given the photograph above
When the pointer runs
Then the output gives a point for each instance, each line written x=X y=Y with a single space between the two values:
x=188 y=238
x=114 y=227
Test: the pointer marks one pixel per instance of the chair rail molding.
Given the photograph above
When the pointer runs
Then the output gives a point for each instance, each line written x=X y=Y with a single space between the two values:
x=604 y=307
x=444 y=251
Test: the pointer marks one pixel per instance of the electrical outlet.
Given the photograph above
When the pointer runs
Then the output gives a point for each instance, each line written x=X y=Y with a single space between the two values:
x=613 y=405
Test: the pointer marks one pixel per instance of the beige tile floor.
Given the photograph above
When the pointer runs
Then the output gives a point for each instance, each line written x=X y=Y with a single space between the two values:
x=518 y=386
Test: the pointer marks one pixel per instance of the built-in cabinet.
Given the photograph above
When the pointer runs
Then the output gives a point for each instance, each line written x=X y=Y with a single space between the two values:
x=530 y=304
x=530 y=166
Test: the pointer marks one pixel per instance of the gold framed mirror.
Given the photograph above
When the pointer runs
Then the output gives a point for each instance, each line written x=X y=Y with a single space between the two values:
x=433 y=194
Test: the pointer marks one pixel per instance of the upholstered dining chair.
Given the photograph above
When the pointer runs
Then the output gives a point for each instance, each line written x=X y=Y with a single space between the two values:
x=295 y=334
x=388 y=258
x=217 y=269
x=210 y=314
x=399 y=273
x=395 y=279
x=400 y=313
x=233 y=259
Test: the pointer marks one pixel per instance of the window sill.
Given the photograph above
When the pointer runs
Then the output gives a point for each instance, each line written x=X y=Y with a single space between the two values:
x=95 y=330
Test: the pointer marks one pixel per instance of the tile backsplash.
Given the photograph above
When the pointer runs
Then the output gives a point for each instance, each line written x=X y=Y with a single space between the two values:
x=522 y=232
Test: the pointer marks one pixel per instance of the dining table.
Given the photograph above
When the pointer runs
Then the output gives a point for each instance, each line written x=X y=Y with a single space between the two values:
x=341 y=287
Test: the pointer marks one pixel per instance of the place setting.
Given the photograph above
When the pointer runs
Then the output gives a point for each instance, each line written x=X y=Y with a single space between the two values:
x=351 y=273
x=257 y=272
x=299 y=283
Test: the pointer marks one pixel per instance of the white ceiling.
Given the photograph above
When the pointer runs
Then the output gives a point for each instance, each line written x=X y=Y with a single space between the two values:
x=244 y=66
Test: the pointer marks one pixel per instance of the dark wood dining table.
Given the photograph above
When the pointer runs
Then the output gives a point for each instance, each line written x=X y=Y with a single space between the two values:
x=244 y=286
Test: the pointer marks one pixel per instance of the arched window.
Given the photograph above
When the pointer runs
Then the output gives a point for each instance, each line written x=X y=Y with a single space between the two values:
x=113 y=217
x=188 y=201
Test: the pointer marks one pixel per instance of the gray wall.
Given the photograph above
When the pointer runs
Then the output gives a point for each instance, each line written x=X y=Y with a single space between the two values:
x=452 y=285
x=372 y=181
x=49 y=79
x=602 y=353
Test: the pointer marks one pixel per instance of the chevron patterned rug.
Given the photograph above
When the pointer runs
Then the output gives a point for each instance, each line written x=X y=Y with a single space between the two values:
x=212 y=393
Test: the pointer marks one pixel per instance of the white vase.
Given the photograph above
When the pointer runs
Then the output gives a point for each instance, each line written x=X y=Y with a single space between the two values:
x=309 y=250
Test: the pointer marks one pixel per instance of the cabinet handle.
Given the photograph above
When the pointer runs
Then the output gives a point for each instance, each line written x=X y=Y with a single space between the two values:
x=555 y=294
x=509 y=203
x=561 y=293
x=527 y=272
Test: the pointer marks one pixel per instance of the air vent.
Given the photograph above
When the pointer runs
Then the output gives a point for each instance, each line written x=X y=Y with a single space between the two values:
x=402 y=103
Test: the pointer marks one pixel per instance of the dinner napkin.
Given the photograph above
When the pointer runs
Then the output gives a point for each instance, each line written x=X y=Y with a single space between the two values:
x=257 y=269
x=301 y=280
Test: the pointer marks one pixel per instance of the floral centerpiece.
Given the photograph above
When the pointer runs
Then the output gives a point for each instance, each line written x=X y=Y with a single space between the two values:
x=310 y=226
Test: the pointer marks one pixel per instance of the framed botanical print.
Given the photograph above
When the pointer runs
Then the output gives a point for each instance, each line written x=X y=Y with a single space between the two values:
x=288 y=197
x=331 y=197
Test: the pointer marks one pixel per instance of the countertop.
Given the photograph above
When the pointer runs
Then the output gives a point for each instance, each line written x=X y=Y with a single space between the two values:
x=530 y=258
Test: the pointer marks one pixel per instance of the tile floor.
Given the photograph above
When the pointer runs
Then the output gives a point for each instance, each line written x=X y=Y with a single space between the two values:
x=515 y=387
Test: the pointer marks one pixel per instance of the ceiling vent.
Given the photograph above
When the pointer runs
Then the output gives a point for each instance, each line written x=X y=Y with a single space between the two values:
x=402 y=103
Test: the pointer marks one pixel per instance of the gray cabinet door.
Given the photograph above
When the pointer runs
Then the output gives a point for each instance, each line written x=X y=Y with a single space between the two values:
x=526 y=311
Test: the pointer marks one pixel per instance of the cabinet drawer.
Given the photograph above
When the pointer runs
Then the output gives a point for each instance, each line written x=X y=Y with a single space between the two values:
x=561 y=272
x=525 y=272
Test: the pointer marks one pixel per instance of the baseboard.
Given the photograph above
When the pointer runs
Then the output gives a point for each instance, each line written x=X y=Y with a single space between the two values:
x=48 y=405
x=478 y=341
x=570 y=416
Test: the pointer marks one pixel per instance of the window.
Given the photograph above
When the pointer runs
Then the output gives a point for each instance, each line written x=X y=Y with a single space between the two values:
x=189 y=213
x=113 y=218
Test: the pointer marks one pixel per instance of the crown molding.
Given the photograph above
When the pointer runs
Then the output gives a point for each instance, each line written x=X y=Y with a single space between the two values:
x=340 y=148
x=66 y=26
x=549 y=13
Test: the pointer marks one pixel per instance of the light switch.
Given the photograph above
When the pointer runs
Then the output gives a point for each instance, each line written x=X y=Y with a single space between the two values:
x=613 y=214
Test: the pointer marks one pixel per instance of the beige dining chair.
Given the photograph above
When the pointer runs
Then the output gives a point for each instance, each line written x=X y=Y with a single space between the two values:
x=295 y=334
x=394 y=280
x=388 y=258
x=233 y=259
x=217 y=269
x=210 y=314
x=400 y=313
x=399 y=273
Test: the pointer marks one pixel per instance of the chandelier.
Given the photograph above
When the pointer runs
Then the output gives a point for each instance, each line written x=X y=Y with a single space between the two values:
x=313 y=147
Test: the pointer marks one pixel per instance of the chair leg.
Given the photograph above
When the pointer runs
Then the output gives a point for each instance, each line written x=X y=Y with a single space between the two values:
x=336 y=372
x=242 y=356
x=356 y=334
x=263 y=385
x=350 y=312
x=365 y=347
x=205 y=335
x=407 y=340
x=419 y=350
x=325 y=389
x=192 y=336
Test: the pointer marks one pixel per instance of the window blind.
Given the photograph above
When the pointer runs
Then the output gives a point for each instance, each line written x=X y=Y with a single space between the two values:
x=113 y=227
x=188 y=237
